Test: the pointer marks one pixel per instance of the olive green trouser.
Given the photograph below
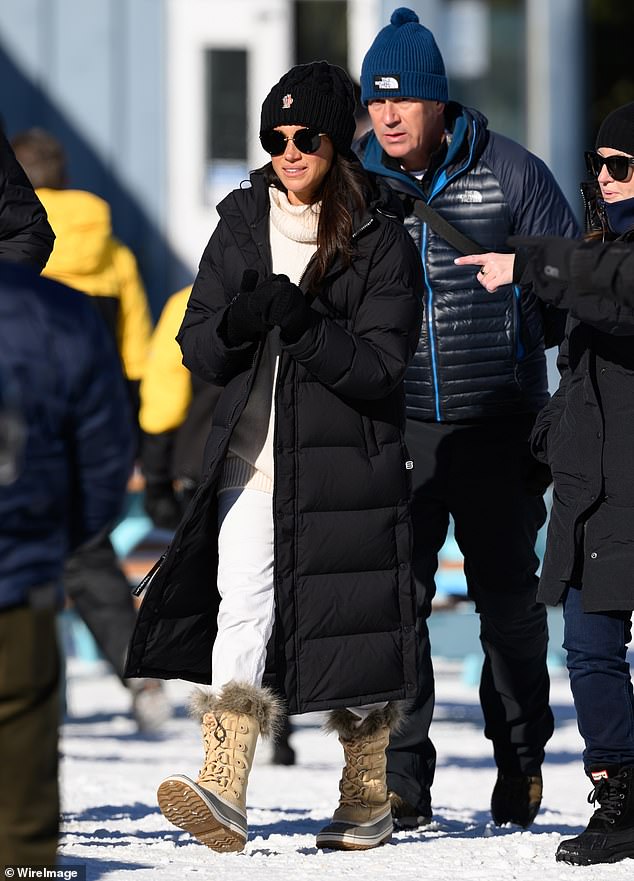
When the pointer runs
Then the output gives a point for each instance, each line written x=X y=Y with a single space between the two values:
x=29 y=718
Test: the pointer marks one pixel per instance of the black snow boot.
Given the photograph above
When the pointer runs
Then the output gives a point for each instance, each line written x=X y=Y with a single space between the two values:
x=516 y=799
x=609 y=836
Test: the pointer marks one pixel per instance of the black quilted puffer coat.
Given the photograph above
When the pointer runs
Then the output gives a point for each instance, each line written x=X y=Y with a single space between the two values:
x=344 y=630
x=586 y=432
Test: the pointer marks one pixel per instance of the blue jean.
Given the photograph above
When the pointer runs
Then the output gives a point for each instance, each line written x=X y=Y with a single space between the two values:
x=600 y=679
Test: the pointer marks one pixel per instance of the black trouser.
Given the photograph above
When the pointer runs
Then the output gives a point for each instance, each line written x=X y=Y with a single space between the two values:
x=101 y=595
x=29 y=716
x=480 y=474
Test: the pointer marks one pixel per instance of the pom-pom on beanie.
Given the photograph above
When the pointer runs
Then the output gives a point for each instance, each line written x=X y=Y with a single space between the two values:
x=617 y=130
x=404 y=62
x=317 y=95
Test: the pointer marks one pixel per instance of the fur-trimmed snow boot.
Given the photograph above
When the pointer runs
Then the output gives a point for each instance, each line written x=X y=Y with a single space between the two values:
x=213 y=809
x=609 y=836
x=364 y=816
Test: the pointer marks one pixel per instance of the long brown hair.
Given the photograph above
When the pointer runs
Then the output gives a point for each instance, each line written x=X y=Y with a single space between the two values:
x=345 y=189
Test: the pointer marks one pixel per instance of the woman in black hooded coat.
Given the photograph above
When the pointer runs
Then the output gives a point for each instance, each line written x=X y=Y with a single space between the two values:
x=302 y=519
x=586 y=435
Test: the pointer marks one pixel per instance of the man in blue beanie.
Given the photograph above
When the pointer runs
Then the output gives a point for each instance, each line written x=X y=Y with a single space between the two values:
x=473 y=390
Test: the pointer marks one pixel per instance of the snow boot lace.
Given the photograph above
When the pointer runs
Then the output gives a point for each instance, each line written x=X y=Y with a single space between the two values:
x=609 y=836
x=213 y=809
x=363 y=818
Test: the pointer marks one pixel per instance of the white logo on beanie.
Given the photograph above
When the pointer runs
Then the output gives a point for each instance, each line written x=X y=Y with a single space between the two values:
x=391 y=81
x=287 y=100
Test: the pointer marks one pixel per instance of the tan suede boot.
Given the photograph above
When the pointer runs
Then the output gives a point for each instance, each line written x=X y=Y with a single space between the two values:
x=364 y=816
x=213 y=809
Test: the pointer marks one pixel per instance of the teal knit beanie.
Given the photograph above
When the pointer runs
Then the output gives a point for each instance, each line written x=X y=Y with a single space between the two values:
x=404 y=62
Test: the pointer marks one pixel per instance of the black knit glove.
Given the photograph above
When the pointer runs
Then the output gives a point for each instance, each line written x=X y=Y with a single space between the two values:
x=243 y=322
x=283 y=303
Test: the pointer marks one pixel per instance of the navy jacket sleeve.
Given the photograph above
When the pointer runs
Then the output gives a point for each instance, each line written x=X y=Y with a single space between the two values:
x=25 y=233
x=101 y=429
x=538 y=208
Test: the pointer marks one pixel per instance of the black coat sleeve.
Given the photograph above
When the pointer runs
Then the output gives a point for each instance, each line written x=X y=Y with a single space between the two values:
x=594 y=281
x=206 y=351
x=25 y=233
x=602 y=286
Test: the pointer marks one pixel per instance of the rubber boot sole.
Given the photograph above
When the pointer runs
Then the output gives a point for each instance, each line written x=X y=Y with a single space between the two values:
x=340 y=835
x=596 y=858
x=204 y=815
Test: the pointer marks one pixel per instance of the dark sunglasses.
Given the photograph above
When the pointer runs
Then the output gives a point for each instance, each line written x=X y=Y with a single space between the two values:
x=307 y=140
x=618 y=166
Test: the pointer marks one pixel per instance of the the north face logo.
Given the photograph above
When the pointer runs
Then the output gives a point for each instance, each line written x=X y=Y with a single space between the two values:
x=387 y=81
x=472 y=196
x=287 y=100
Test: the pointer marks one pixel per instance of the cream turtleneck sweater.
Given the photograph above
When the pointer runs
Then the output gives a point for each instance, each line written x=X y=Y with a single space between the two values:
x=249 y=462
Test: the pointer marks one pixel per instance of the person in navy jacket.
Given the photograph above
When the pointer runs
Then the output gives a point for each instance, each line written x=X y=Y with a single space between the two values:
x=472 y=391
x=67 y=457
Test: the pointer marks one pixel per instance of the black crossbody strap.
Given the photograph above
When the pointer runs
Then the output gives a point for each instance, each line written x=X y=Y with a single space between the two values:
x=444 y=229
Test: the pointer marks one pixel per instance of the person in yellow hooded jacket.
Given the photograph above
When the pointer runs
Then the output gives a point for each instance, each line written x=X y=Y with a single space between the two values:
x=87 y=256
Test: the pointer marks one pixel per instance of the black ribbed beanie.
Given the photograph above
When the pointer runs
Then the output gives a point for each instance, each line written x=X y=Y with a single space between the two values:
x=317 y=95
x=617 y=130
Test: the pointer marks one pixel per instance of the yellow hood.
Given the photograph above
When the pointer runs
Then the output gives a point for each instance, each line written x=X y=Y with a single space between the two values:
x=82 y=256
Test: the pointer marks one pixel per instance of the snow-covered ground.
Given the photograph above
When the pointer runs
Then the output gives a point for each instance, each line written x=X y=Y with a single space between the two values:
x=112 y=825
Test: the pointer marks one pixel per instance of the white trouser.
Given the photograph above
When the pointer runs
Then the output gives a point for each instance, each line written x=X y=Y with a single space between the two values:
x=245 y=584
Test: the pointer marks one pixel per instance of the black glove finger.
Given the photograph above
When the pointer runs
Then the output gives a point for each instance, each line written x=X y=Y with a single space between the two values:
x=284 y=302
x=266 y=292
x=249 y=281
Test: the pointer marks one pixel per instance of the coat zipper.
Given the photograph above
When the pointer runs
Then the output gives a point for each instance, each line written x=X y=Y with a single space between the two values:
x=149 y=578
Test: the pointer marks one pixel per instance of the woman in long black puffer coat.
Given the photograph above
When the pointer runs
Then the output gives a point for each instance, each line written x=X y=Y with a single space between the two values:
x=586 y=435
x=302 y=519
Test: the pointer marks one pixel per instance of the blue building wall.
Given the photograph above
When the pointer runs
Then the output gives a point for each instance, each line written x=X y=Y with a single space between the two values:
x=93 y=73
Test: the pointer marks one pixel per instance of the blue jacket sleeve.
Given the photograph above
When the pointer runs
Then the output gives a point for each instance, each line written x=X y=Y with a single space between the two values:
x=538 y=206
x=101 y=429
